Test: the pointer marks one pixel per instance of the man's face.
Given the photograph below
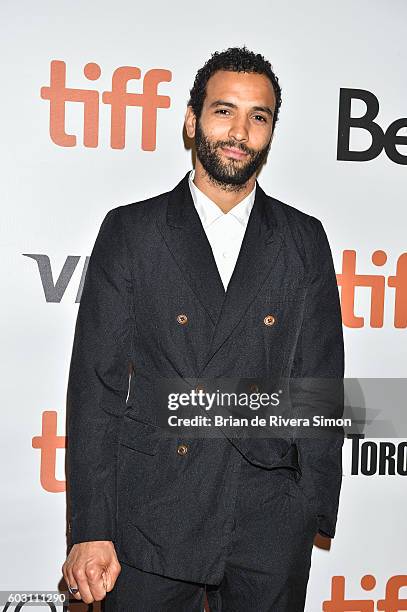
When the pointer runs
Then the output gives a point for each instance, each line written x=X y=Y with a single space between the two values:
x=233 y=135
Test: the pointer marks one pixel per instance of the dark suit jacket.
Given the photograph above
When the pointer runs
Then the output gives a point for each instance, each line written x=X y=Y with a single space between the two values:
x=151 y=262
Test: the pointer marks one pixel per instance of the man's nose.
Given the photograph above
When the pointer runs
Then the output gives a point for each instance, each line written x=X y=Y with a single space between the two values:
x=239 y=129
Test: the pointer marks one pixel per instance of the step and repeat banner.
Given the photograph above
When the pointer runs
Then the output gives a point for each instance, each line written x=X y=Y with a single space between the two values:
x=93 y=103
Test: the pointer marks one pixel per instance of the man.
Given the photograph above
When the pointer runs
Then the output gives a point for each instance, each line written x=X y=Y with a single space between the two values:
x=211 y=281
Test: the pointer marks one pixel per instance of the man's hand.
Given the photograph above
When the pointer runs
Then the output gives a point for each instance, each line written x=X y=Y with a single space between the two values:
x=93 y=568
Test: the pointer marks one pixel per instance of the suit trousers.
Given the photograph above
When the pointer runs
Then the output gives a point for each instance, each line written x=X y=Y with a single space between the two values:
x=268 y=561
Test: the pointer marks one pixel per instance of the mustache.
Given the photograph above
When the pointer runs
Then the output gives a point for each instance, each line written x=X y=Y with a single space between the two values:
x=223 y=143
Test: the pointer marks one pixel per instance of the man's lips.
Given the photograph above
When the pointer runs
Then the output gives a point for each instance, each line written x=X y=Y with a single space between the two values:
x=235 y=153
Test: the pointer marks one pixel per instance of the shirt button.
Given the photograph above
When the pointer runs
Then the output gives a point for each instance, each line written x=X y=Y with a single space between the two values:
x=225 y=254
x=269 y=320
x=182 y=449
x=182 y=319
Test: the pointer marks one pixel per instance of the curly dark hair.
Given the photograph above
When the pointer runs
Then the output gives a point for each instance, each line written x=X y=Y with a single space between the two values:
x=234 y=59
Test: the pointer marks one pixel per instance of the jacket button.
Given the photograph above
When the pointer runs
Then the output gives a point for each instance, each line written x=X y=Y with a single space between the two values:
x=182 y=319
x=253 y=387
x=269 y=320
x=199 y=388
x=182 y=449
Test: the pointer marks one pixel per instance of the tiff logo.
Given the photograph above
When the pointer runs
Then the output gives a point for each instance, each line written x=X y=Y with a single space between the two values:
x=348 y=280
x=390 y=603
x=48 y=443
x=118 y=99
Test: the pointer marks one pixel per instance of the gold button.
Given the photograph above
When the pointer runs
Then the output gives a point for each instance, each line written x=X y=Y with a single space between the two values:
x=182 y=319
x=182 y=449
x=253 y=388
x=269 y=320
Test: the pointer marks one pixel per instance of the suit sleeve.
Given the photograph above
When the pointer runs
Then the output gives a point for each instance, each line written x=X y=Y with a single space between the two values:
x=319 y=366
x=98 y=385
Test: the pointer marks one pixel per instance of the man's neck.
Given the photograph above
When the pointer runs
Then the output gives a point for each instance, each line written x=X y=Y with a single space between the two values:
x=225 y=199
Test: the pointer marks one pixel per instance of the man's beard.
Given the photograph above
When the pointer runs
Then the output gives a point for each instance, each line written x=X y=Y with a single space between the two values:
x=228 y=174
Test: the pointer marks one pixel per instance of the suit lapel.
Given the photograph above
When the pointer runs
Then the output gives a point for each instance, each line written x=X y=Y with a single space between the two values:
x=187 y=241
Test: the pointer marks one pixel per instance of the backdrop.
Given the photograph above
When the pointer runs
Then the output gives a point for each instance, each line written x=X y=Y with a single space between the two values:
x=69 y=155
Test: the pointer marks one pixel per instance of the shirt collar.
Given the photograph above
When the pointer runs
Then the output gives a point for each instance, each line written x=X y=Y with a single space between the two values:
x=209 y=211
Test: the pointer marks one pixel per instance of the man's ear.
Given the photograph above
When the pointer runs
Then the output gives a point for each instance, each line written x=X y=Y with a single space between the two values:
x=190 y=122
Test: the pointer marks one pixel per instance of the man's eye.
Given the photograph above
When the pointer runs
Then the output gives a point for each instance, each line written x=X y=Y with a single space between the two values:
x=223 y=111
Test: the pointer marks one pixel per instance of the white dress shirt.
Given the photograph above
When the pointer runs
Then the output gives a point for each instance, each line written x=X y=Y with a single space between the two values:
x=224 y=231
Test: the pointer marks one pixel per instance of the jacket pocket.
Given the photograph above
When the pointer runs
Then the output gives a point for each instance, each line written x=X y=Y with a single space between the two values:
x=140 y=435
